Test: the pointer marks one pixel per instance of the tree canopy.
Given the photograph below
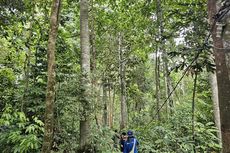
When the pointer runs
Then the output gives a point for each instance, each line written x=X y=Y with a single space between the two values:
x=72 y=74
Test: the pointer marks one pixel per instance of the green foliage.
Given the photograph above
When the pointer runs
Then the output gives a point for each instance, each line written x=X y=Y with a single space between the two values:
x=67 y=114
x=24 y=27
x=18 y=134
x=175 y=135
x=102 y=139
x=7 y=84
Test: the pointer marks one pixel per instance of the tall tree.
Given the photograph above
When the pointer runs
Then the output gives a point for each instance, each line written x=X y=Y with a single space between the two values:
x=110 y=107
x=165 y=57
x=105 y=103
x=85 y=78
x=50 y=93
x=124 y=112
x=216 y=109
x=221 y=46
x=157 y=58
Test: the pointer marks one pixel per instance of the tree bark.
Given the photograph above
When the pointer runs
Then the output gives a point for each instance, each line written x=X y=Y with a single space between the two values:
x=157 y=84
x=223 y=80
x=50 y=91
x=93 y=63
x=168 y=85
x=110 y=107
x=216 y=109
x=85 y=78
x=124 y=112
x=105 y=104
x=157 y=59
x=113 y=104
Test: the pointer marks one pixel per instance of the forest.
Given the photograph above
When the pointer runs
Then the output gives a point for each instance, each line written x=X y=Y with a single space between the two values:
x=72 y=72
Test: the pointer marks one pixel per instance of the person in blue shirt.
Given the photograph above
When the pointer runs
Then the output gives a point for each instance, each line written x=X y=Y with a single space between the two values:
x=131 y=145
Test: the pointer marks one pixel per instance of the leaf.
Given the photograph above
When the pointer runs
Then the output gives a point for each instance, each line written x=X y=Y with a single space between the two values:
x=158 y=141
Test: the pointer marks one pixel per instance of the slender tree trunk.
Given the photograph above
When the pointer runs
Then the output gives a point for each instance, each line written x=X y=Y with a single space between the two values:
x=124 y=112
x=85 y=78
x=216 y=109
x=110 y=107
x=169 y=88
x=221 y=54
x=93 y=45
x=50 y=93
x=193 y=111
x=157 y=84
x=93 y=66
x=105 y=102
x=113 y=104
x=168 y=85
x=157 y=60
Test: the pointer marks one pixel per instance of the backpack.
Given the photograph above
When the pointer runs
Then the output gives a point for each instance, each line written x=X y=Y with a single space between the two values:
x=134 y=144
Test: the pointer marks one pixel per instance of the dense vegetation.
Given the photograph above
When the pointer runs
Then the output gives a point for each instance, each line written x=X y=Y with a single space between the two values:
x=153 y=56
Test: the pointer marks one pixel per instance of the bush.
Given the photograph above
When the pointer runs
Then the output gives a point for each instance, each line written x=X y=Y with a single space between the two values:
x=175 y=136
x=17 y=134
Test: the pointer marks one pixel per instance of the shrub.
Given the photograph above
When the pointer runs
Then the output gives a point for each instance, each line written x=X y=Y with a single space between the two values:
x=18 y=134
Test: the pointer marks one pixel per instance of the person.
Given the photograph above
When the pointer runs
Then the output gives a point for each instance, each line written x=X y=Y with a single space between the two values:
x=131 y=145
x=116 y=139
x=123 y=139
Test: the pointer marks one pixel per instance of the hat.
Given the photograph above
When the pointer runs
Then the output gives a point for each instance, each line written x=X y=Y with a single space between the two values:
x=130 y=132
x=123 y=133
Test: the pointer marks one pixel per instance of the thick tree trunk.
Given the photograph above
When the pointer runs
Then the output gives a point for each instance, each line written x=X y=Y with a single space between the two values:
x=50 y=93
x=223 y=79
x=85 y=80
x=124 y=112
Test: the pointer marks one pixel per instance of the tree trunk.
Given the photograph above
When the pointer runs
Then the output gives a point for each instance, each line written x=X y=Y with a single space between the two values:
x=110 y=107
x=216 y=109
x=168 y=85
x=157 y=59
x=85 y=78
x=157 y=84
x=223 y=79
x=105 y=103
x=168 y=88
x=124 y=112
x=50 y=92
x=93 y=65
x=113 y=104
